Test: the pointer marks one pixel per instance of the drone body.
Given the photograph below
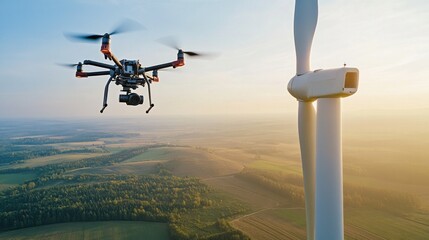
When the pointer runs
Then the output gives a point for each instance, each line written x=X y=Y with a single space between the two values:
x=130 y=74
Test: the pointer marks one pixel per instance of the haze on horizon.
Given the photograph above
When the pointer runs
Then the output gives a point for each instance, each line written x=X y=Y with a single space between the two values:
x=387 y=40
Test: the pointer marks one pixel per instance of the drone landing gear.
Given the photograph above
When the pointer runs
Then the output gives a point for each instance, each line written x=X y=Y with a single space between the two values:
x=129 y=98
x=151 y=105
x=101 y=111
x=106 y=92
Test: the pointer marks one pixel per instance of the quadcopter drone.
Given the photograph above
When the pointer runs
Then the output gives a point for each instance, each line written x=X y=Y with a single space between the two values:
x=128 y=73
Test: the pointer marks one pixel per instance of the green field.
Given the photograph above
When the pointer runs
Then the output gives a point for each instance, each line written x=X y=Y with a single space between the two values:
x=93 y=230
x=13 y=179
x=286 y=168
x=382 y=225
x=295 y=216
x=154 y=154
x=41 y=161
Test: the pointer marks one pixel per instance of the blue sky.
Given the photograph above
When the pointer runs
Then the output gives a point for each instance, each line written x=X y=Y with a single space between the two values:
x=387 y=40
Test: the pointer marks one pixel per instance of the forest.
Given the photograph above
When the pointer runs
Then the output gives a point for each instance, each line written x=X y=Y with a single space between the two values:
x=96 y=197
x=56 y=196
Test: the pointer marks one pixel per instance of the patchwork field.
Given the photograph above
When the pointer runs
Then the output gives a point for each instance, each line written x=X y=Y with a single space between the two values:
x=380 y=162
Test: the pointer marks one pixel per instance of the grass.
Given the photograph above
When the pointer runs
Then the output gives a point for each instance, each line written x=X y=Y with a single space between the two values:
x=41 y=161
x=93 y=230
x=182 y=161
x=295 y=216
x=203 y=221
x=16 y=178
x=190 y=161
x=388 y=226
x=13 y=179
x=138 y=168
x=277 y=167
x=153 y=154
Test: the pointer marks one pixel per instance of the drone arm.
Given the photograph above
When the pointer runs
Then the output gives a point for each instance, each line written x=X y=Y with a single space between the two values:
x=117 y=62
x=100 y=73
x=98 y=64
x=105 y=49
x=157 y=67
x=91 y=74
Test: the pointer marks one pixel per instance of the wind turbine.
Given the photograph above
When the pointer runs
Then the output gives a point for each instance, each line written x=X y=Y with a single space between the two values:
x=320 y=132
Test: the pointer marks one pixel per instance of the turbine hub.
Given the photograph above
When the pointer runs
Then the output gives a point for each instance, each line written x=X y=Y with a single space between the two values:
x=329 y=83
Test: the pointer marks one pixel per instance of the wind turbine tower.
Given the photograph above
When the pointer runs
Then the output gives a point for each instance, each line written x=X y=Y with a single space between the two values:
x=320 y=131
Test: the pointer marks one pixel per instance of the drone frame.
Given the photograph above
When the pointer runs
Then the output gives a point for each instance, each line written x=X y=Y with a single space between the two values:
x=128 y=78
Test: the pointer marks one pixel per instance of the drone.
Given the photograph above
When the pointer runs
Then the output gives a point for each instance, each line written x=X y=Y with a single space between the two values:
x=130 y=74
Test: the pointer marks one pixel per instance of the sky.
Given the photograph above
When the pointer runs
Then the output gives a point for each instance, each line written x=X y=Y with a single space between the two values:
x=388 y=40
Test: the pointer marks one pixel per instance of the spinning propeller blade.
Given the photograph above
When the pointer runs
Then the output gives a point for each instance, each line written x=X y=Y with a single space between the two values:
x=172 y=43
x=68 y=65
x=83 y=37
x=127 y=25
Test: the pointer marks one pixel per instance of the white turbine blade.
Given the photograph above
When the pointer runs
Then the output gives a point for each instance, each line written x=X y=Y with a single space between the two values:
x=307 y=141
x=304 y=26
x=329 y=174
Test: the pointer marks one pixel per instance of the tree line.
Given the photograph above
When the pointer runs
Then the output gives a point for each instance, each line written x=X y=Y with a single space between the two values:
x=288 y=185
x=72 y=137
x=14 y=154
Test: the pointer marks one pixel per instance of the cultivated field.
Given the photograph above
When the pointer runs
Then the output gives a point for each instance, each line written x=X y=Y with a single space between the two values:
x=378 y=158
x=266 y=224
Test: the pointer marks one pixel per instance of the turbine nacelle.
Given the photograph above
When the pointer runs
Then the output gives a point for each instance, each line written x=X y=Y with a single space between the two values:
x=329 y=83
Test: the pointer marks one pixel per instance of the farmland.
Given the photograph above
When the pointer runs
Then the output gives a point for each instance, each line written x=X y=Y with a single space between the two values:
x=253 y=168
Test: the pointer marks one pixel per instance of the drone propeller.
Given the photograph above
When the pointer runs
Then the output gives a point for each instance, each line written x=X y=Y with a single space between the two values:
x=172 y=43
x=69 y=65
x=84 y=37
x=127 y=25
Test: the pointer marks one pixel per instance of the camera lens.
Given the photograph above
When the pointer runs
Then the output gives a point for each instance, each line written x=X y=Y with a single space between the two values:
x=134 y=99
x=131 y=99
x=123 y=98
